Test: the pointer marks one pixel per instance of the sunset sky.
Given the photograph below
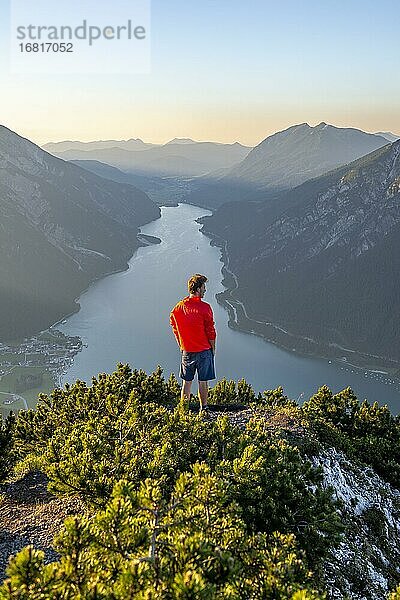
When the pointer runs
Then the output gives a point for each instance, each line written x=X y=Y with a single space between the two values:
x=226 y=70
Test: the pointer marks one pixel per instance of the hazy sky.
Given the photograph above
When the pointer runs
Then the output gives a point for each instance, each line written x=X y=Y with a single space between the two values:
x=226 y=70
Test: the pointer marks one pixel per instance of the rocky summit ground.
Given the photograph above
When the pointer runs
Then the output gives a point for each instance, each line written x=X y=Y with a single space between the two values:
x=30 y=515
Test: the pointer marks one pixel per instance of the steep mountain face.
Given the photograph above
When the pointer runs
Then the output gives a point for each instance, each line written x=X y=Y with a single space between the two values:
x=107 y=171
x=172 y=159
x=61 y=227
x=150 y=185
x=285 y=160
x=321 y=260
x=364 y=565
x=290 y=157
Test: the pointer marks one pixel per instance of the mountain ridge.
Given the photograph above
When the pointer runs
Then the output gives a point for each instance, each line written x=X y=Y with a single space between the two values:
x=171 y=159
x=62 y=227
x=283 y=161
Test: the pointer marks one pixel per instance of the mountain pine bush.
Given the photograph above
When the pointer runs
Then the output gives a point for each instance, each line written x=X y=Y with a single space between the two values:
x=228 y=392
x=366 y=432
x=142 y=546
x=130 y=426
x=275 y=399
x=279 y=490
x=6 y=442
x=182 y=506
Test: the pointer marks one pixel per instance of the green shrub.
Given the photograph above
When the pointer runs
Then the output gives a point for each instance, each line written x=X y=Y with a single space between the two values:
x=274 y=399
x=369 y=433
x=88 y=438
x=375 y=520
x=6 y=443
x=339 y=409
x=193 y=545
x=278 y=489
x=145 y=440
x=227 y=392
x=108 y=396
x=395 y=595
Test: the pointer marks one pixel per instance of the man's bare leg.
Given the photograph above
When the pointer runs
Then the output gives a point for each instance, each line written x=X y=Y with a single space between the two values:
x=203 y=393
x=185 y=391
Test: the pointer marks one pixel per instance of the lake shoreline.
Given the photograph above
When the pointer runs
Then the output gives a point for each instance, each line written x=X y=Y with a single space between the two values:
x=56 y=366
x=143 y=339
x=147 y=240
x=276 y=334
x=126 y=319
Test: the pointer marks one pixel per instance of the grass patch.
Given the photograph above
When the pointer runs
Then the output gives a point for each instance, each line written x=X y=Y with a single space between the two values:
x=10 y=383
x=5 y=408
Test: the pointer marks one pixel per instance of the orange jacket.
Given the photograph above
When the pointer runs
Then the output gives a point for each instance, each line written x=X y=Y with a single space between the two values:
x=192 y=322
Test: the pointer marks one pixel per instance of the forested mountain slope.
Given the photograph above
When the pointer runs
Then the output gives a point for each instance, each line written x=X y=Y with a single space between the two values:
x=61 y=227
x=321 y=260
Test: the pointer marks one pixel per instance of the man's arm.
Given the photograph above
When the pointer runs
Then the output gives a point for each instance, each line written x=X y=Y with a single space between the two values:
x=174 y=326
x=209 y=326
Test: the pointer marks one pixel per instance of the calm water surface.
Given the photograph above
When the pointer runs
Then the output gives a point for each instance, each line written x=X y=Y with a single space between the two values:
x=125 y=318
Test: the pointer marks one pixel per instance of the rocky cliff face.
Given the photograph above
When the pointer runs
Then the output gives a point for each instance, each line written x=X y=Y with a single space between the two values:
x=365 y=566
x=61 y=227
x=352 y=214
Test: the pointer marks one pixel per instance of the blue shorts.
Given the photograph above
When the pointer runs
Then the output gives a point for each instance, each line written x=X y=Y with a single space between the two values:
x=202 y=362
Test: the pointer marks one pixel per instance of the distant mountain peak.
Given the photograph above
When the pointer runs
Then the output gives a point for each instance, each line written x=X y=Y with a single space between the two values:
x=181 y=141
x=293 y=127
x=288 y=158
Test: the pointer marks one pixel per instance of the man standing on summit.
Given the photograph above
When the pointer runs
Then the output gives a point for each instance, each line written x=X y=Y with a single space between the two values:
x=192 y=322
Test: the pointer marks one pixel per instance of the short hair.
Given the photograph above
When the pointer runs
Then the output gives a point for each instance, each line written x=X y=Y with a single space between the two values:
x=195 y=282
